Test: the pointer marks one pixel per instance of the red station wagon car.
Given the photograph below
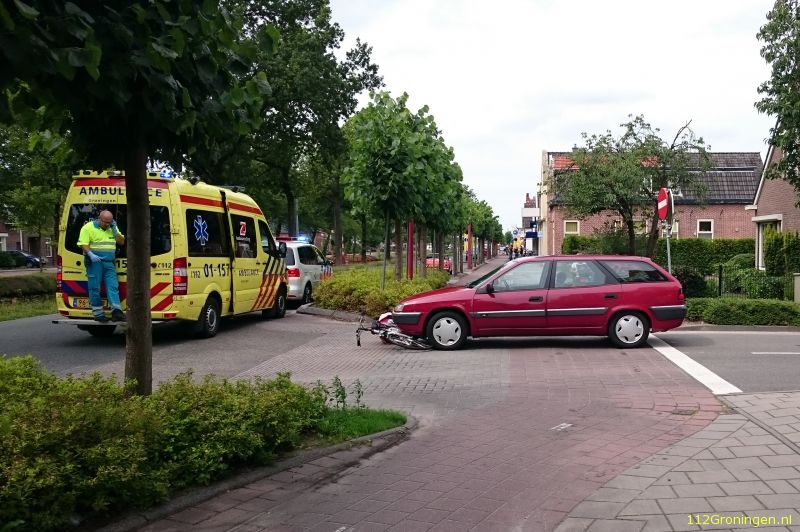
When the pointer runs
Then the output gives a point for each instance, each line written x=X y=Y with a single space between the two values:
x=621 y=297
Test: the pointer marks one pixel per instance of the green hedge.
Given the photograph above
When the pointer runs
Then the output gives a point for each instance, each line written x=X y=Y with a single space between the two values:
x=358 y=290
x=28 y=285
x=702 y=254
x=75 y=449
x=735 y=311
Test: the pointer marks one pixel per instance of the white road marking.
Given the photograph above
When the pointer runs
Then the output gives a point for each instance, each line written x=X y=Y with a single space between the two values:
x=748 y=333
x=774 y=353
x=699 y=372
x=561 y=426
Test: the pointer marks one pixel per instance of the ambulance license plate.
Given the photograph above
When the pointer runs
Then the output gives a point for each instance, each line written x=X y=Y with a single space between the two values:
x=83 y=302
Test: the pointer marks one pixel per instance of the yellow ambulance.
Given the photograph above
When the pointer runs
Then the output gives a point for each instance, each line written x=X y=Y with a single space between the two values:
x=212 y=252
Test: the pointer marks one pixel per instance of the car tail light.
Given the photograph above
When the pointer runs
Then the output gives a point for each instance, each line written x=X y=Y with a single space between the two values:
x=681 y=295
x=59 y=274
x=293 y=272
x=180 y=277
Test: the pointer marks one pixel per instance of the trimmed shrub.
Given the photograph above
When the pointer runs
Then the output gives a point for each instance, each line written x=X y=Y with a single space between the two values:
x=742 y=260
x=72 y=450
x=756 y=284
x=358 y=290
x=692 y=280
x=791 y=253
x=28 y=285
x=7 y=260
x=702 y=254
x=774 y=262
x=734 y=311
x=696 y=307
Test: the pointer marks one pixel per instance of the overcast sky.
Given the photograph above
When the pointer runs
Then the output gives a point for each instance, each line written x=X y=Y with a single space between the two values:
x=506 y=79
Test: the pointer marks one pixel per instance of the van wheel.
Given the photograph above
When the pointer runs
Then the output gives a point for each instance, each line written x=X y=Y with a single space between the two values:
x=278 y=309
x=100 y=331
x=208 y=323
x=446 y=331
x=628 y=329
x=306 y=294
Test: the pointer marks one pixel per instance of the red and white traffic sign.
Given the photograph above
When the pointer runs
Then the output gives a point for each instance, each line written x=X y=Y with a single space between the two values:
x=663 y=203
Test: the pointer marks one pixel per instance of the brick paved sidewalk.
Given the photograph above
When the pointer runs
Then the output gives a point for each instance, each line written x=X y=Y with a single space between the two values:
x=515 y=454
x=742 y=467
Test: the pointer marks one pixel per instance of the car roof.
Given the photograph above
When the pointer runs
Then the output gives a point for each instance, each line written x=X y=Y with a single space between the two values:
x=297 y=244
x=586 y=257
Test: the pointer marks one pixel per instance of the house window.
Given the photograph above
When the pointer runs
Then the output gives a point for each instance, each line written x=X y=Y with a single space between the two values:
x=705 y=229
x=674 y=233
x=3 y=242
x=572 y=227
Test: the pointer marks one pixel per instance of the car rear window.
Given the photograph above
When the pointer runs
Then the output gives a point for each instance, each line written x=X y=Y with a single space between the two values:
x=633 y=271
x=290 y=257
x=80 y=213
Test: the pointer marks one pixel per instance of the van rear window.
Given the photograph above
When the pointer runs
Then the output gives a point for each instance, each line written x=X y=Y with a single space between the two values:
x=80 y=213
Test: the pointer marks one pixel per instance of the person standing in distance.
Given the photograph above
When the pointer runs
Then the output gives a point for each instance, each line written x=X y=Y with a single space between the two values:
x=98 y=239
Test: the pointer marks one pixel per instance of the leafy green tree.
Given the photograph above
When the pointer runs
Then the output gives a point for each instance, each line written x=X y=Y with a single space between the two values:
x=780 y=97
x=313 y=90
x=129 y=82
x=623 y=175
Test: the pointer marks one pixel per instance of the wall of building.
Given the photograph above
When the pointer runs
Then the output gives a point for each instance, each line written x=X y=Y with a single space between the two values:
x=778 y=196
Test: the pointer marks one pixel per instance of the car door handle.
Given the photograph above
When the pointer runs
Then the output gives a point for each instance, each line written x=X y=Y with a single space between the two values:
x=536 y=299
x=611 y=296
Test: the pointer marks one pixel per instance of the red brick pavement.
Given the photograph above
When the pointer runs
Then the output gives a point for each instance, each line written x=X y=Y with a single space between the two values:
x=496 y=467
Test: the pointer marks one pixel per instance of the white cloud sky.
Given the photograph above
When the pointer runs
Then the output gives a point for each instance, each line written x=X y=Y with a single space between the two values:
x=506 y=79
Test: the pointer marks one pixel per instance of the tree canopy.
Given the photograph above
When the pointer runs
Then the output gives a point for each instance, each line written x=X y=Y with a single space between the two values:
x=780 y=97
x=623 y=174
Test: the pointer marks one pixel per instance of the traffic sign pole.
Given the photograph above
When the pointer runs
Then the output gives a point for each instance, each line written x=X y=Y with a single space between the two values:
x=665 y=212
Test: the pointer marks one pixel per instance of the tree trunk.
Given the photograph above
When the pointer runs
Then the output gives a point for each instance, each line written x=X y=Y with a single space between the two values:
x=422 y=251
x=364 y=238
x=385 y=252
x=631 y=236
x=138 y=335
x=440 y=249
x=337 y=221
x=652 y=236
x=398 y=247
x=291 y=203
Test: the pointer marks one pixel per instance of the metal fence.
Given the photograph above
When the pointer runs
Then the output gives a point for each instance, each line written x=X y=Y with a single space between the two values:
x=729 y=281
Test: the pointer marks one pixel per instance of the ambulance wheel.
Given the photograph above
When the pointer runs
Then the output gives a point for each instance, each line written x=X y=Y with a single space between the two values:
x=208 y=322
x=100 y=331
x=306 y=294
x=278 y=309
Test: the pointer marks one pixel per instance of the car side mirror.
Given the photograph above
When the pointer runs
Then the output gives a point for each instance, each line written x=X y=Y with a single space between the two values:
x=282 y=249
x=490 y=288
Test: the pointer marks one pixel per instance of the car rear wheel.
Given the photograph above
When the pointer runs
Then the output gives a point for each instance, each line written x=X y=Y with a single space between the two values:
x=278 y=309
x=446 y=331
x=306 y=294
x=208 y=323
x=629 y=329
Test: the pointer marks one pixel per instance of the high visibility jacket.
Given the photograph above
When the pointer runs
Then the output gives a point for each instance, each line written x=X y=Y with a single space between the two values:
x=100 y=241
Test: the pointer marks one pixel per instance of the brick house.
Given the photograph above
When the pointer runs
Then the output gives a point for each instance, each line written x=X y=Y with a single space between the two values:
x=774 y=206
x=732 y=182
x=12 y=238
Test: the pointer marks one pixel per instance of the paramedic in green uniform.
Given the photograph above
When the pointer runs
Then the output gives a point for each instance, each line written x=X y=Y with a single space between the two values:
x=99 y=239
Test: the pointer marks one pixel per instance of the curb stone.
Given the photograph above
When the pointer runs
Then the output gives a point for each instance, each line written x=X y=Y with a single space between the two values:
x=370 y=444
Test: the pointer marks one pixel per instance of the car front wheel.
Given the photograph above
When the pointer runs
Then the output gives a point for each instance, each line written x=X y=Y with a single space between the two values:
x=629 y=329
x=446 y=331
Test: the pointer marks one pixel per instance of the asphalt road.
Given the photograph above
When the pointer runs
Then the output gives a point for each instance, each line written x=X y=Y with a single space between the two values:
x=752 y=360
x=242 y=343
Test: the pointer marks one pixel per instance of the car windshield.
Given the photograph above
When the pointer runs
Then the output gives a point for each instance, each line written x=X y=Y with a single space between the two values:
x=478 y=282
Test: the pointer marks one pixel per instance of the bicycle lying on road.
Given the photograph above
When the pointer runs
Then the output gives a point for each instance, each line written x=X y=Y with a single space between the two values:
x=388 y=332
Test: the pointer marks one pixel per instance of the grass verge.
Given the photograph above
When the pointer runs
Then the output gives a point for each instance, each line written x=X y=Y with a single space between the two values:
x=338 y=425
x=28 y=307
